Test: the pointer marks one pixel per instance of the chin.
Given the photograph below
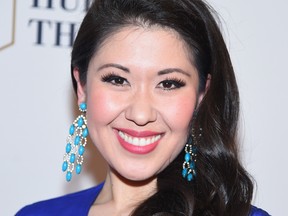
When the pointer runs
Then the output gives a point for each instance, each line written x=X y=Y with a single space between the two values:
x=139 y=177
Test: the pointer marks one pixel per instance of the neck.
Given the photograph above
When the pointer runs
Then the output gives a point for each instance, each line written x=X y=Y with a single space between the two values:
x=116 y=186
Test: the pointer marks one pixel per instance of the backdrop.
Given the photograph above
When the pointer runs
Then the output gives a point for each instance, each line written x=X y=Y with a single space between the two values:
x=38 y=104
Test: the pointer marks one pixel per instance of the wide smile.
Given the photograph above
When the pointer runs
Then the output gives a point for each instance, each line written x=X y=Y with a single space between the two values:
x=138 y=142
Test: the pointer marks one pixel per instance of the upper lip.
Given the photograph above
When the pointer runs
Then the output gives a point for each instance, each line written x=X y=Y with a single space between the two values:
x=135 y=133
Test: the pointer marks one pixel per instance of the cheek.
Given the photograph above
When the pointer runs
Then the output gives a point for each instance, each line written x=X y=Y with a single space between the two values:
x=102 y=106
x=179 y=113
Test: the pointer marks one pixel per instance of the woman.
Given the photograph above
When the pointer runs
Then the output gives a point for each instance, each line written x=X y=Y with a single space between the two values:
x=156 y=83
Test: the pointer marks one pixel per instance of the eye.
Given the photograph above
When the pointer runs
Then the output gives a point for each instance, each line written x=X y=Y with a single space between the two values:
x=114 y=79
x=170 y=84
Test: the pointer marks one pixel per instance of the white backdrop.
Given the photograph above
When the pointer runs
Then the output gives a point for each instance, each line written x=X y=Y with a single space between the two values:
x=38 y=105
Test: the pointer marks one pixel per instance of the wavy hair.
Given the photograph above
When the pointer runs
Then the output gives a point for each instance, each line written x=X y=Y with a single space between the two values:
x=222 y=186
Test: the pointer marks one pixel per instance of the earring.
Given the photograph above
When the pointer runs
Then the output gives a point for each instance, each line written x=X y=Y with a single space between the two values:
x=189 y=164
x=76 y=142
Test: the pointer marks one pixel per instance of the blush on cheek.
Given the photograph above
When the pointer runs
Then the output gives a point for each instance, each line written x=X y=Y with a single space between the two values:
x=181 y=114
x=102 y=107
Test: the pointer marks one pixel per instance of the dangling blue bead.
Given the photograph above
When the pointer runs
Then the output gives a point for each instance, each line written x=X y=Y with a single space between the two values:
x=81 y=150
x=78 y=169
x=77 y=140
x=190 y=177
x=192 y=165
x=85 y=132
x=74 y=147
x=189 y=164
x=72 y=158
x=187 y=157
x=64 y=166
x=83 y=107
x=80 y=122
x=68 y=176
x=184 y=172
x=72 y=129
x=68 y=148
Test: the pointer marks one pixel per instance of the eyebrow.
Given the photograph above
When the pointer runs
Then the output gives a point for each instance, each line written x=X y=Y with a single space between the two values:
x=171 y=70
x=162 y=72
x=114 y=65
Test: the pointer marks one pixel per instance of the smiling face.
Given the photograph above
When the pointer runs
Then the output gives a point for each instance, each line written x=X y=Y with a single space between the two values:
x=141 y=93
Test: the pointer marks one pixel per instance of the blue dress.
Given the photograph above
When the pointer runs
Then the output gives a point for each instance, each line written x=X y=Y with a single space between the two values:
x=78 y=204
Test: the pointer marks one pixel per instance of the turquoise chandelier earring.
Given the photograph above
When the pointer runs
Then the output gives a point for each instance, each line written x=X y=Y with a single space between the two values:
x=76 y=142
x=189 y=164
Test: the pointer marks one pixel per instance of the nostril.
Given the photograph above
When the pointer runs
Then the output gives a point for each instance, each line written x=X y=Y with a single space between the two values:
x=141 y=113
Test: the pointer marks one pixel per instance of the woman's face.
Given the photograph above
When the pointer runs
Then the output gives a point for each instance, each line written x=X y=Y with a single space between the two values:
x=141 y=93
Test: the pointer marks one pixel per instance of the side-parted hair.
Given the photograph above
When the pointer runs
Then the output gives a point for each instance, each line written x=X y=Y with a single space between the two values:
x=222 y=186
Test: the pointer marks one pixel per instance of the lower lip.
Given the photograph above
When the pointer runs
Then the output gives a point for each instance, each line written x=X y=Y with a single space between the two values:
x=137 y=149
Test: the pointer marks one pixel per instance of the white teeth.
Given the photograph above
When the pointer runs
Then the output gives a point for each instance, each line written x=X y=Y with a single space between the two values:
x=138 y=141
x=135 y=141
x=130 y=140
x=142 y=142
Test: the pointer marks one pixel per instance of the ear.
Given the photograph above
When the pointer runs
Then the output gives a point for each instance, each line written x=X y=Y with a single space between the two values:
x=202 y=94
x=81 y=90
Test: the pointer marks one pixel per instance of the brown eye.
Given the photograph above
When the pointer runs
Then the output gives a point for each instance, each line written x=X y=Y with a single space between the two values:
x=171 y=84
x=118 y=81
x=115 y=80
x=167 y=84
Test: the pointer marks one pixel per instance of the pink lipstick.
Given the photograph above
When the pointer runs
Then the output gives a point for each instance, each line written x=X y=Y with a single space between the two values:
x=138 y=142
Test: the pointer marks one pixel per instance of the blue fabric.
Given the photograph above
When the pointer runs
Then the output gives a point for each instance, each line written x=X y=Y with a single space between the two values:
x=258 y=212
x=79 y=203
x=72 y=204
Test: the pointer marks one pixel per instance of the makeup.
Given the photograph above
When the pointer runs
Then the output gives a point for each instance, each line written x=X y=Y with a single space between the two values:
x=138 y=142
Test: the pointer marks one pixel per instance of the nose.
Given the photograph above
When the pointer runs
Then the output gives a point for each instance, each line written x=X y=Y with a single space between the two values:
x=141 y=109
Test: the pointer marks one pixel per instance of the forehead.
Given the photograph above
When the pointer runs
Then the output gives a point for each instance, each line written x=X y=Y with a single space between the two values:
x=132 y=34
x=143 y=43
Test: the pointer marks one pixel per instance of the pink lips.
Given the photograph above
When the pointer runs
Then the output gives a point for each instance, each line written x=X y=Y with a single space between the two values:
x=136 y=149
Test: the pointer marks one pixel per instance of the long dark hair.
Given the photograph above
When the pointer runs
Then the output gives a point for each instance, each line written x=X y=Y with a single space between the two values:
x=222 y=186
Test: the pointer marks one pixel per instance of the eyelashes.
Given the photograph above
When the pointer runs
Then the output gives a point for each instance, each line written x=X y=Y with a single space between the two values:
x=169 y=83
x=114 y=79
